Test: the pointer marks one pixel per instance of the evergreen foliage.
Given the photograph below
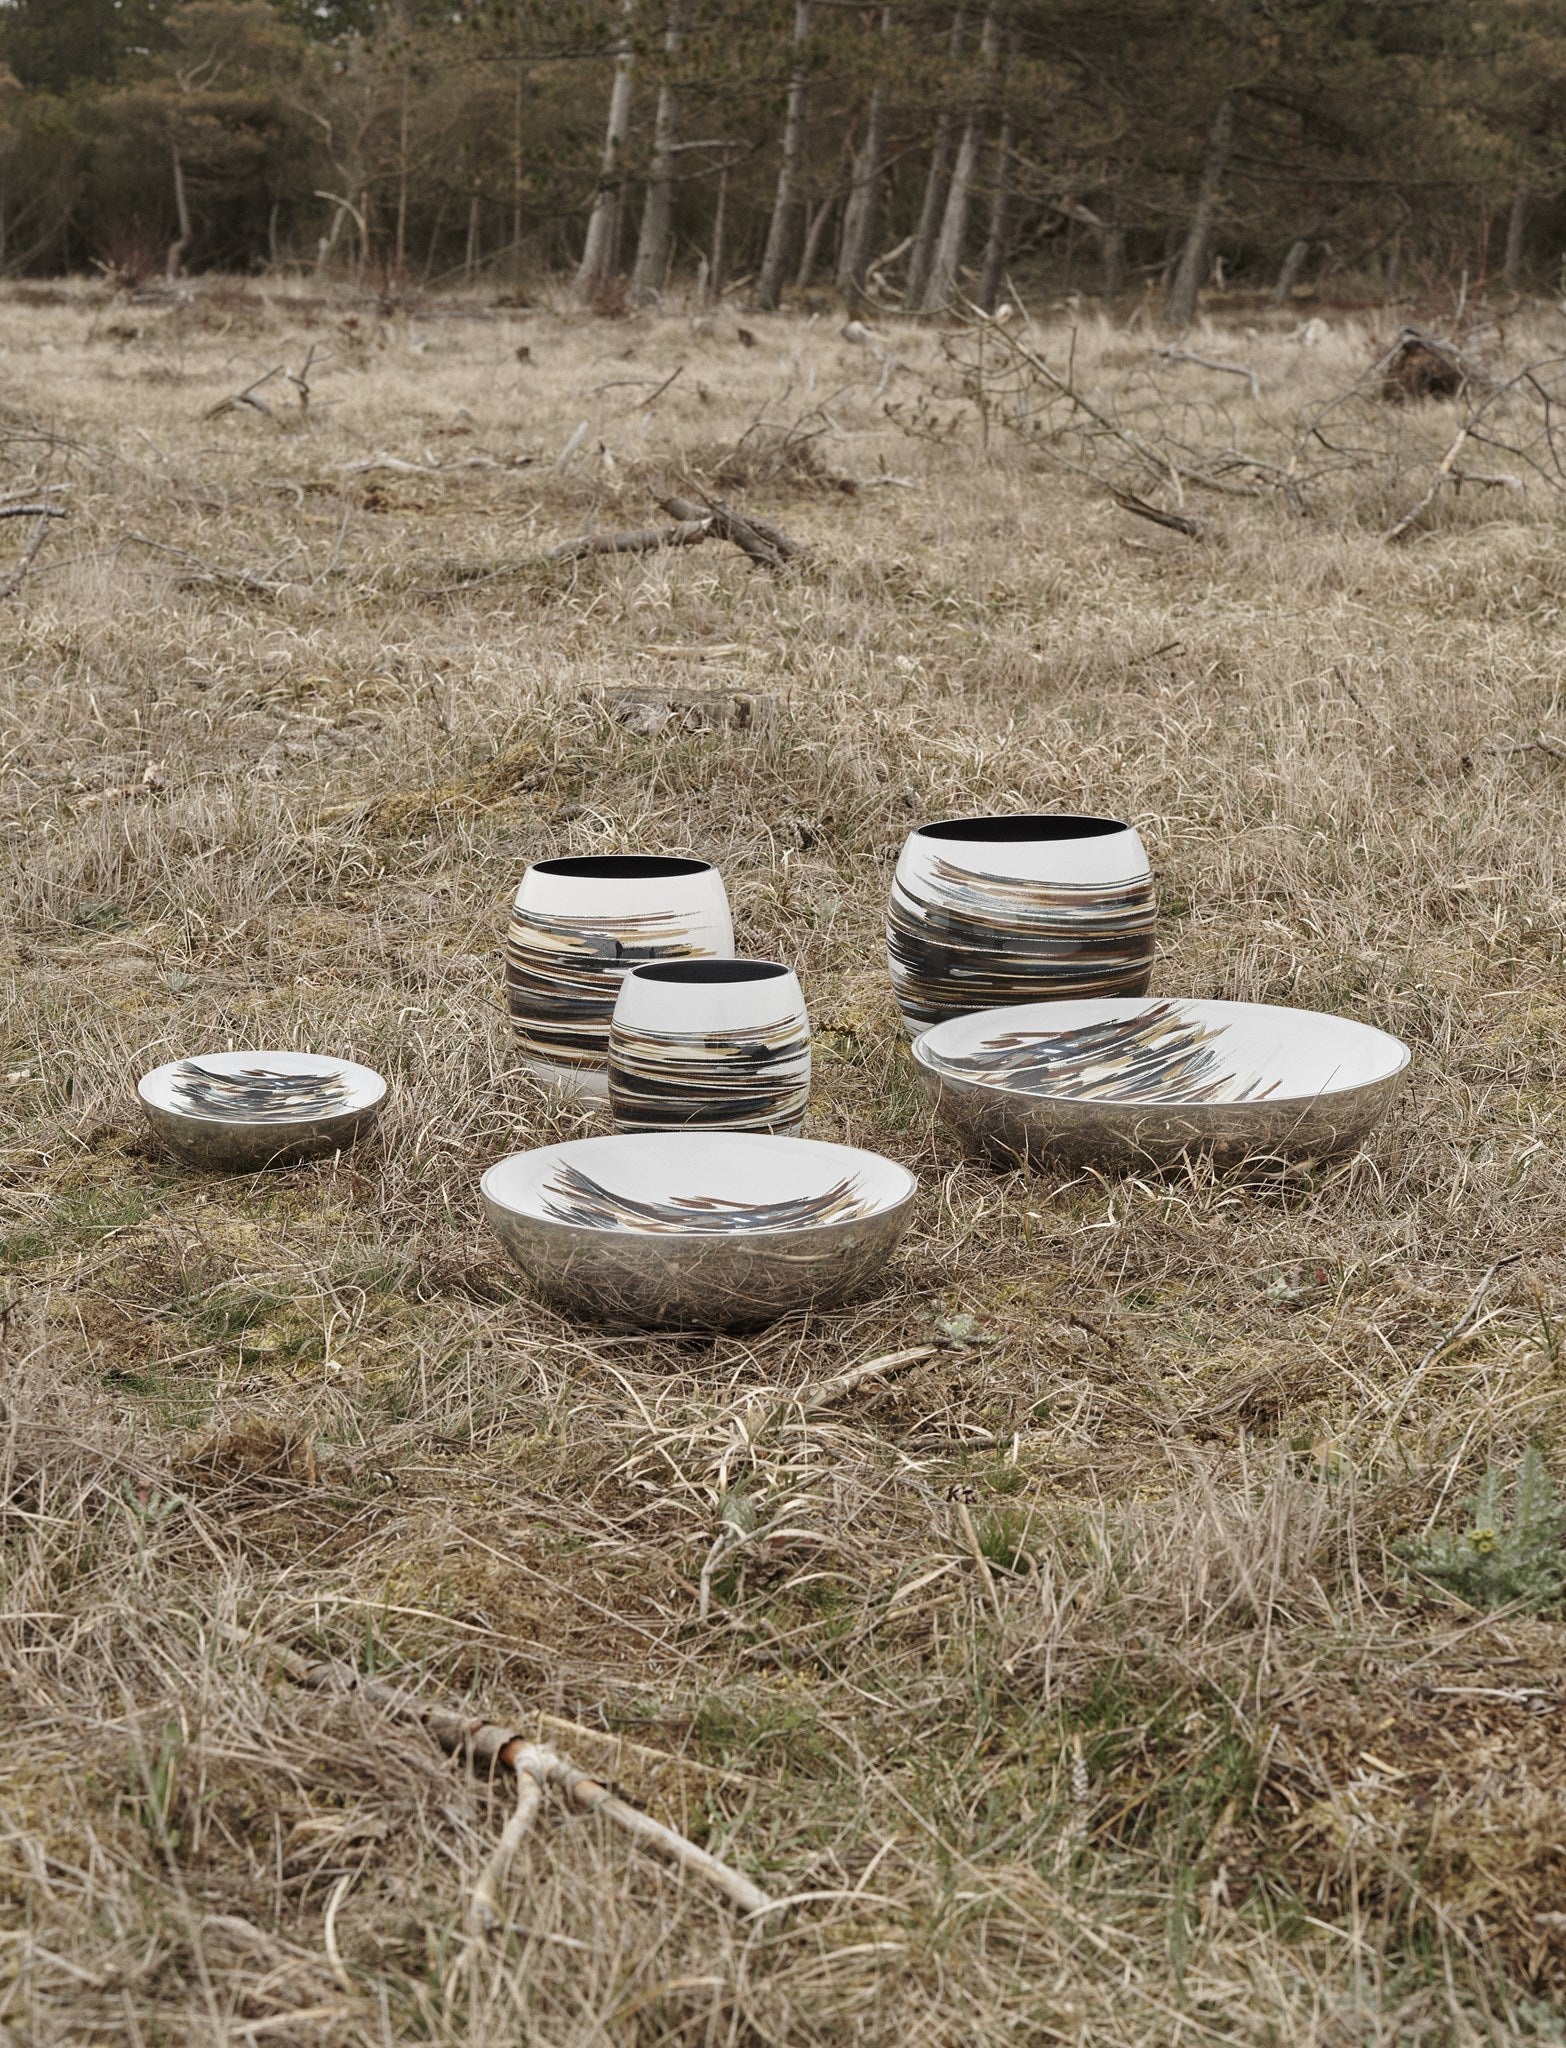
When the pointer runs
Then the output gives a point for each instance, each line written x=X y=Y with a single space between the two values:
x=1083 y=144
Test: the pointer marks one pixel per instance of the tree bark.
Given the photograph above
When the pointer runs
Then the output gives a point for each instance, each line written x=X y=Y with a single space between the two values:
x=996 y=246
x=919 y=257
x=1112 y=255
x=1289 y=274
x=814 y=231
x=601 y=247
x=769 y=281
x=652 y=244
x=719 y=222
x=860 y=211
x=942 y=280
x=177 y=248
x=1516 y=227
x=1191 y=268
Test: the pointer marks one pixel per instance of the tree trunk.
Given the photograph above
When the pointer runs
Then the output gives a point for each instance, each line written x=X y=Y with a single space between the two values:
x=177 y=248
x=1516 y=227
x=1112 y=255
x=769 y=282
x=653 y=243
x=719 y=221
x=814 y=231
x=1393 y=263
x=996 y=246
x=1289 y=274
x=942 y=280
x=471 y=254
x=859 y=214
x=601 y=247
x=400 y=253
x=516 y=173
x=919 y=257
x=1189 y=271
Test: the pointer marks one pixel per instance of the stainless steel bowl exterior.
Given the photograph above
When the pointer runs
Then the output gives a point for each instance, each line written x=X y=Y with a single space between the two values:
x=699 y=1280
x=1020 y=1128
x=228 y=1146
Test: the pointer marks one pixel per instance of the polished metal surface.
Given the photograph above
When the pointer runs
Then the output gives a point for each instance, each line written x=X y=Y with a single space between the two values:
x=232 y=1146
x=1015 y=1127
x=699 y=1280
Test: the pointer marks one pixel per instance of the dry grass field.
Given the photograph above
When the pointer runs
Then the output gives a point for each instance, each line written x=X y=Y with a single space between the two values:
x=1195 y=1756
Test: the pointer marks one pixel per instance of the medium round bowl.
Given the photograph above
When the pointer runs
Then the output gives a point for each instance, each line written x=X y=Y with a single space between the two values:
x=577 y=927
x=698 y=1230
x=709 y=1044
x=1119 y=1083
x=986 y=911
x=243 y=1110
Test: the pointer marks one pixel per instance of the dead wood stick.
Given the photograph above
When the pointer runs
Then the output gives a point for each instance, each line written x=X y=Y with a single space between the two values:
x=206 y=572
x=826 y=1391
x=246 y=397
x=1443 y=476
x=1177 y=522
x=1185 y=355
x=688 y=533
x=33 y=512
x=758 y=538
x=494 y=1747
x=35 y=540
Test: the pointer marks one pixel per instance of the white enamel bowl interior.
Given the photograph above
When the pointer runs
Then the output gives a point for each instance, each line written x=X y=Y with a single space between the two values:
x=1290 y=1056
x=363 y=1086
x=745 y=1169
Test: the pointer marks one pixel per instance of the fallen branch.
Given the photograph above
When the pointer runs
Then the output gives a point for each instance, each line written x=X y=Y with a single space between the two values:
x=1171 y=354
x=205 y=572
x=644 y=540
x=35 y=540
x=33 y=512
x=488 y=1745
x=1177 y=522
x=758 y=538
x=247 y=397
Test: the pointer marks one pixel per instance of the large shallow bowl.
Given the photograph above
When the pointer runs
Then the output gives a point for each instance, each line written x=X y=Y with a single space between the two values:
x=243 y=1110
x=698 y=1230
x=1121 y=1082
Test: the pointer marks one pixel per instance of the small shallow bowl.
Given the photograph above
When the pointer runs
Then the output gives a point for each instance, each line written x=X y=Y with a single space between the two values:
x=1135 y=1082
x=242 y=1110
x=698 y=1230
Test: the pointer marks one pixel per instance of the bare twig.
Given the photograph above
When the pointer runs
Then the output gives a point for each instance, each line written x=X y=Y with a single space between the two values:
x=35 y=540
x=33 y=512
x=248 y=397
x=1177 y=522
x=488 y=1745
x=1172 y=354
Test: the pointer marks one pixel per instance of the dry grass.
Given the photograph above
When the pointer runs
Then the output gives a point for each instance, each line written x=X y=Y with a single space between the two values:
x=1210 y=1767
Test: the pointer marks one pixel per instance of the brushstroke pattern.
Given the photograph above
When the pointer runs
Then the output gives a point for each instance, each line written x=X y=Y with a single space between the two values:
x=258 y=1095
x=1162 y=1056
x=959 y=941
x=575 y=1197
x=753 y=1078
x=564 y=973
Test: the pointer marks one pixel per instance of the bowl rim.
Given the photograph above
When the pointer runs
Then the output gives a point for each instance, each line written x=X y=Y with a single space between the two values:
x=374 y=1096
x=929 y=1058
x=698 y=1237
x=1095 y=823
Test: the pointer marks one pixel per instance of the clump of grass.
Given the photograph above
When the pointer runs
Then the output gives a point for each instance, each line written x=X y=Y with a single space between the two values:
x=1496 y=1562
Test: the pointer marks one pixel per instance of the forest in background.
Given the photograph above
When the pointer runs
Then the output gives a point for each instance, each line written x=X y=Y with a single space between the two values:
x=904 y=155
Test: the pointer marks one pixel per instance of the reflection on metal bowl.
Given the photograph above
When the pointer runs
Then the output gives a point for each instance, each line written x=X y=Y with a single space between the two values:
x=698 y=1230
x=1141 y=1082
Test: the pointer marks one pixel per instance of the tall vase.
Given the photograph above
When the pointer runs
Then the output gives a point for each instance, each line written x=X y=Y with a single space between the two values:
x=577 y=927
x=992 y=911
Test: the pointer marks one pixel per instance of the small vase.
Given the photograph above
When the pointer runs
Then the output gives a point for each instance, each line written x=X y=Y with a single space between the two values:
x=716 y=1044
x=577 y=927
x=994 y=911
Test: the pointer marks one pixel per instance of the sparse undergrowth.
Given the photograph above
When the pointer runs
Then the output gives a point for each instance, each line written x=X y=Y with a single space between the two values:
x=1095 y=1679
